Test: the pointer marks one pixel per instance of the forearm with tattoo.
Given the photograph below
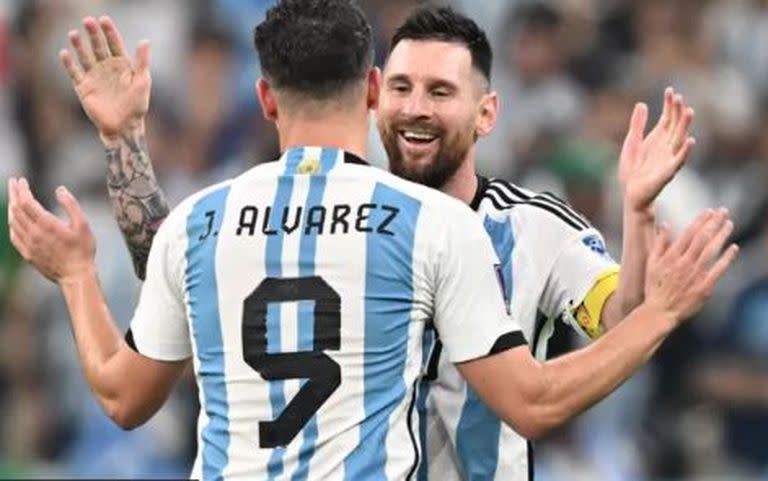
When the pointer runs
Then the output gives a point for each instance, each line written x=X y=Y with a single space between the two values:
x=138 y=203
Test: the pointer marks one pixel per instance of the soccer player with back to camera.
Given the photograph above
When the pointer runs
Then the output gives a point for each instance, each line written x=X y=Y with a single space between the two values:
x=317 y=267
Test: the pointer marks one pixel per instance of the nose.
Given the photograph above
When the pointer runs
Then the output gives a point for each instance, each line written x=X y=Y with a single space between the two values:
x=418 y=104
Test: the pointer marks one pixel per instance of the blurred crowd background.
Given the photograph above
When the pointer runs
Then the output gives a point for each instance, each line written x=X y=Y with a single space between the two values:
x=568 y=73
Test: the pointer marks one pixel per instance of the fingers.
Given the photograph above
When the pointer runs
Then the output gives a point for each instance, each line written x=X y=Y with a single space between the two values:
x=666 y=114
x=680 y=133
x=105 y=41
x=143 y=56
x=83 y=53
x=682 y=156
x=114 y=39
x=661 y=241
x=72 y=208
x=30 y=210
x=706 y=234
x=19 y=243
x=637 y=125
x=684 y=241
x=98 y=42
x=73 y=70
x=639 y=120
x=678 y=105
x=17 y=222
x=15 y=217
x=9 y=190
x=667 y=170
x=19 y=219
x=716 y=243
x=720 y=267
x=31 y=224
x=634 y=140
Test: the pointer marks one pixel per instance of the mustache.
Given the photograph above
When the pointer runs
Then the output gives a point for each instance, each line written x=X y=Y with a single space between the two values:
x=426 y=126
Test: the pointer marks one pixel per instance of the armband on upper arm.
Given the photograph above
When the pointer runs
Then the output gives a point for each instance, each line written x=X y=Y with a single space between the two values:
x=588 y=313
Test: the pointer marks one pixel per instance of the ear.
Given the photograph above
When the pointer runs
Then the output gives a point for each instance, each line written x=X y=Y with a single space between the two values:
x=267 y=100
x=374 y=88
x=487 y=114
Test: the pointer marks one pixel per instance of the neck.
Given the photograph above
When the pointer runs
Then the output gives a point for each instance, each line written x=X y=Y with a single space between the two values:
x=463 y=184
x=347 y=131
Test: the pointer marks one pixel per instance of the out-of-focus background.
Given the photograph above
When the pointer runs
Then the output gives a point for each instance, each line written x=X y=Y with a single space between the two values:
x=568 y=72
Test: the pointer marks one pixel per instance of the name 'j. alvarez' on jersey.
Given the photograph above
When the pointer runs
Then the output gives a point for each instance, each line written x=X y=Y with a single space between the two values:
x=301 y=290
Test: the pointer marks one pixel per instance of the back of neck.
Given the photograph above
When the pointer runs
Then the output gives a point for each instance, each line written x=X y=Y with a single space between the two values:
x=345 y=131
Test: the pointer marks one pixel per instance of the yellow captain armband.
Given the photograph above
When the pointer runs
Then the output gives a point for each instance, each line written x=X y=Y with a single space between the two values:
x=589 y=311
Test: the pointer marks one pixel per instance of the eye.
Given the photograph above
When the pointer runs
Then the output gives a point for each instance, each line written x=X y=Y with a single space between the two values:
x=400 y=88
x=441 y=92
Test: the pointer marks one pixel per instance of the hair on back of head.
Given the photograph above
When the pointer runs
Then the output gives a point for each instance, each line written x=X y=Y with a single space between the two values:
x=315 y=48
x=433 y=22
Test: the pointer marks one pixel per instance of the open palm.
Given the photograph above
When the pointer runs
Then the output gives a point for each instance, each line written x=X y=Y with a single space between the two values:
x=113 y=91
x=649 y=163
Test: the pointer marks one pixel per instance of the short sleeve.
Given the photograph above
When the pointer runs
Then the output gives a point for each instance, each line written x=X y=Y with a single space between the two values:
x=581 y=262
x=470 y=312
x=159 y=329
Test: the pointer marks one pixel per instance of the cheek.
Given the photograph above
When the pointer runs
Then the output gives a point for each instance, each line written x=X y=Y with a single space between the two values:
x=387 y=104
x=458 y=124
x=383 y=126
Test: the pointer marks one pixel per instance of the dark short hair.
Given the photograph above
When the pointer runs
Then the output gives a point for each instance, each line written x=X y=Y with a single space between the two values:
x=316 y=48
x=445 y=24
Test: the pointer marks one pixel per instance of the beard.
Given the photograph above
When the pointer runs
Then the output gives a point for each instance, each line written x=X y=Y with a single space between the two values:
x=432 y=170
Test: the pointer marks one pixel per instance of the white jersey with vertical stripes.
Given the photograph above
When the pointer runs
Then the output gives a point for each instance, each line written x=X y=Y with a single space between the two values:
x=301 y=290
x=550 y=258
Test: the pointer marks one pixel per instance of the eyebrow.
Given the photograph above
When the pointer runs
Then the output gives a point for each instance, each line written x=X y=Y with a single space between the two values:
x=400 y=77
x=432 y=82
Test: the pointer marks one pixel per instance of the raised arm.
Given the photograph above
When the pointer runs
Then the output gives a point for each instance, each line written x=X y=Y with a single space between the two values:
x=115 y=92
x=534 y=397
x=129 y=386
x=647 y=164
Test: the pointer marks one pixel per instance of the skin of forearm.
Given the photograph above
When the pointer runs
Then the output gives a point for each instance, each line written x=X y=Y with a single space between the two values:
x=638 y=230
x=572 y=383
x=137 y=200
x=96 y=335
x=535 y=398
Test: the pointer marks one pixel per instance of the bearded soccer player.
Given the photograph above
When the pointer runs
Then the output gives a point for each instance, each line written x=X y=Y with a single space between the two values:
x=554 y=264
x=216 y=288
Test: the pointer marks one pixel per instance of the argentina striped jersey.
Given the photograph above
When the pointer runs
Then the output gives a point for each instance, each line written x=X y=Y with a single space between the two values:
x=550 y=258
x=302 y=290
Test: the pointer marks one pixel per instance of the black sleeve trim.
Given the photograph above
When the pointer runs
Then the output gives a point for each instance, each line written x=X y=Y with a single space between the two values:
x=130 y=341
x=508 y=341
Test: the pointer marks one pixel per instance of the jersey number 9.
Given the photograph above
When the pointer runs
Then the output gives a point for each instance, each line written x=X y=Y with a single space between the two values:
x=322 y=373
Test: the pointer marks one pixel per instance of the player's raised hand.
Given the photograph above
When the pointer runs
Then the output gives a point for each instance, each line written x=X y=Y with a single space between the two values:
x=59 y=250
x=113 y=90
x=681 y=275
x=648 y=163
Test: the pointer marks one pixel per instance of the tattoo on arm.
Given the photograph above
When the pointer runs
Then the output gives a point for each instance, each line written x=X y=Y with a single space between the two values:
x=137 y=201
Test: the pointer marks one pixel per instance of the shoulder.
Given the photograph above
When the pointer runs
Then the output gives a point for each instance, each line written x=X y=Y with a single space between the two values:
x=545 y=210
x=432 y=202
x=176 y=221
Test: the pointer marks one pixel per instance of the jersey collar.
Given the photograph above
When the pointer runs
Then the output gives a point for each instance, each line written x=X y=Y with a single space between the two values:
x=348 y=157
x=482 y=185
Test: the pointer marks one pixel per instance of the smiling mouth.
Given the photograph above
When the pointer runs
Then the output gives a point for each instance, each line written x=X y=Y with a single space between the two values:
x=416 y=137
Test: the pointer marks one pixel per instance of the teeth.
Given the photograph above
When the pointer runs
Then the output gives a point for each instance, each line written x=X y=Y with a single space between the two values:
x=411 y=135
